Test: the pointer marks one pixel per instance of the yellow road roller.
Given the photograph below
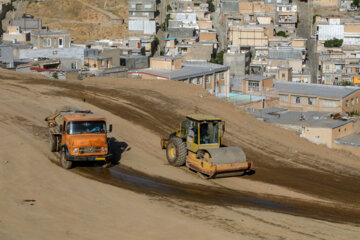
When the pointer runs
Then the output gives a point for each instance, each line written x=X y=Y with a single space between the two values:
x=198 y=145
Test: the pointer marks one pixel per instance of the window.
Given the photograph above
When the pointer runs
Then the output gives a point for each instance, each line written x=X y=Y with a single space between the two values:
x=216 y=77
x=283 y=75
x=347 y=103
x=74 y=65
x=181 y=5
x=133 y=6
x=328 y=79
x=311 y=101
x=330 y=103
x=147 y=5
x=283 y=98
x=138 y=6
x=297 y=99
x=0 y=52
x=61 y=42
x=327 y=67
x=145 y=14
x=352 y=102
x=199 y=80
x=80 y=127
x=123 y=62
x=47 y=42
x=102 y=63
x=222 y=76
x=193 y=80
x=253 y=86
x=207 y=78
x=133 y=13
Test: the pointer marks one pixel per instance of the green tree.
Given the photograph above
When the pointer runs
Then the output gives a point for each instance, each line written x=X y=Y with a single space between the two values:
x=281 y=34
x=168 y=8
x=218 y=58
x=211 y=5
x=333 y=43
x=355 y=3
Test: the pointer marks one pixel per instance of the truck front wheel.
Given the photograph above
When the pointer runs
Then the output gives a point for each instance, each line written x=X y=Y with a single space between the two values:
x=64 y=159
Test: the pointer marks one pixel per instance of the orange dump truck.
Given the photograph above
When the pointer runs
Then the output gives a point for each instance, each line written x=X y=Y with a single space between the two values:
x=78 y=136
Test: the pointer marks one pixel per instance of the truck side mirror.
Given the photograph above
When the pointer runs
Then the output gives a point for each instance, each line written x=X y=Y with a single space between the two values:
x=61 y=128
x=110 y=128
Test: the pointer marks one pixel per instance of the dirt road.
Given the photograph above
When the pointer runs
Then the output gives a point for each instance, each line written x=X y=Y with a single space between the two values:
x=299 y=191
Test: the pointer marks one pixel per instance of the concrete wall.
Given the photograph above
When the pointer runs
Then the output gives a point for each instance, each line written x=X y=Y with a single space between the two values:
x=200 y=52
x=239 y=63
x=181 y=32
x=54 y=53
x=135 y=63
x=28 y=24
x=6 y=55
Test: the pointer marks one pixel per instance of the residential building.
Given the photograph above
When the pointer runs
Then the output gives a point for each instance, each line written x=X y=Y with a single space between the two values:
x=318 y=97
x=238 y=62
x=50 y=39
x=250 y=35
x=212 y=77
x=317 y=127
x=143 y=8
x=142 y=16
x=28 y=24
x=14 y=34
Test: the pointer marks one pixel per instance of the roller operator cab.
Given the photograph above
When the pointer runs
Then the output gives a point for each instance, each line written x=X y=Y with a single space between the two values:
x=198 y=144
x=79 y=136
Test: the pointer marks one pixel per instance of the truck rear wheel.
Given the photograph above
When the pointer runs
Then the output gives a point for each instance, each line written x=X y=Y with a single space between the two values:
x=64 y=159
x=53 y=143
x=176 y=152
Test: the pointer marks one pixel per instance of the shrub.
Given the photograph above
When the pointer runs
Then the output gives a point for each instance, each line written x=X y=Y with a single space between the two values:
x=333 y=43
x=281 y=34
x=211 y=5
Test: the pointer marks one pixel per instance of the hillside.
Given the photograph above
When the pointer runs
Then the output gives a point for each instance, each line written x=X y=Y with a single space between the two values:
x=86 y=20
x=299 y=190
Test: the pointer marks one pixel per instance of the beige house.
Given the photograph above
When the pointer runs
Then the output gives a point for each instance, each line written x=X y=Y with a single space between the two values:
x=318 y=97
x=212 y=77
x=249 y=35
x=326 y=131
x=98 y=62
x=14 y=34
x=50 y=39
x=256 y=84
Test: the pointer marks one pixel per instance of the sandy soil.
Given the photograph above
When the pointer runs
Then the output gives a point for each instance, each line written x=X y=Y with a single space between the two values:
x=143 y=196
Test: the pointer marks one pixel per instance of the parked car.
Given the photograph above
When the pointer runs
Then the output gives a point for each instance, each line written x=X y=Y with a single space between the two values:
x=352 y=9
x=25 y=15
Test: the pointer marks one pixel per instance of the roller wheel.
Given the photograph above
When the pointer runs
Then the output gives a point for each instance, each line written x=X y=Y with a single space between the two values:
x=53 y=142
x=64 y=159
x=176 y=152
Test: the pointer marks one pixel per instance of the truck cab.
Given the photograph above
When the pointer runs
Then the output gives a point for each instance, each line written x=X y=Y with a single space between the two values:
x=79 y=136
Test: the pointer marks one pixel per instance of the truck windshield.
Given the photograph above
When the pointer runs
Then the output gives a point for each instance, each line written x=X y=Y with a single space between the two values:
x=80 y=127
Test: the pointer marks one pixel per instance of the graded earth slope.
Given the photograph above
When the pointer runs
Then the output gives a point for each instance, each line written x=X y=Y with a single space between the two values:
x=299 y=191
